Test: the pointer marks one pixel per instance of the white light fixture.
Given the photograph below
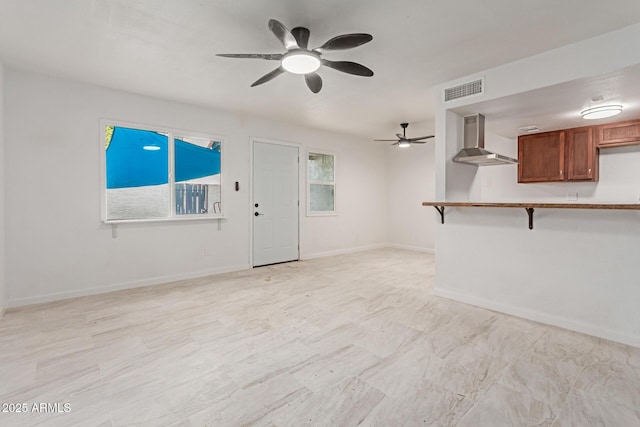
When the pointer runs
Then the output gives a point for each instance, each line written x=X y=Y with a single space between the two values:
x=301 y=62
x=601 y=112
x=529 y=129
x=404 y=144
x=151 y=147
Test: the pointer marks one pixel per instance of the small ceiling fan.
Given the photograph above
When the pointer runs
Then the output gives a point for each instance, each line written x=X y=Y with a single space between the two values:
x=403 y=141
x=299 y=59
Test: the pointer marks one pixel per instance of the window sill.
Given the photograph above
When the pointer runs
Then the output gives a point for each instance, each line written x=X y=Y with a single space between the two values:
x=314 y=214
x=175 y=219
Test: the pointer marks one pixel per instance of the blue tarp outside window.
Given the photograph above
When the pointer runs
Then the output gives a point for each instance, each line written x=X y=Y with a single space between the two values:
x=138 y=158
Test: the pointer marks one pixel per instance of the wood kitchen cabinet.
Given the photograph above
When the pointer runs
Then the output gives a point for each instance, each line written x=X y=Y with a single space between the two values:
x=618 y=134
x=541 y=157
x=565 y=155
x=581 y=155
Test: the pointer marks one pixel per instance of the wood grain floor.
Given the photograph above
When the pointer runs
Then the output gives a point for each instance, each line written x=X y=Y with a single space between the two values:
x=342 y=341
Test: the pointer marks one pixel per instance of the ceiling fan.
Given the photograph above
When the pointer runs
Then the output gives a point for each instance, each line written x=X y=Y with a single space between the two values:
x=299 y=59
x=403 y=141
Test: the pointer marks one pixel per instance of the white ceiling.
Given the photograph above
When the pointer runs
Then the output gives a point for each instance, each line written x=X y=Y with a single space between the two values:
x=166 y=48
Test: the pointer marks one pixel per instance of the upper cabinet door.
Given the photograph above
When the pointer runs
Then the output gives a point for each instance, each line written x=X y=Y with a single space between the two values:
x=582 y=155
x=541 y=157
x=619 y=134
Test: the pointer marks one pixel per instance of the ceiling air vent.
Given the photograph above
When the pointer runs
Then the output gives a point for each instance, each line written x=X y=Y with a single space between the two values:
x=460 y=91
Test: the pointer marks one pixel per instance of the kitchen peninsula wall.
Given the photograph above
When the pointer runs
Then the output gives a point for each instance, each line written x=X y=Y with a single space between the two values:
x=577 y=269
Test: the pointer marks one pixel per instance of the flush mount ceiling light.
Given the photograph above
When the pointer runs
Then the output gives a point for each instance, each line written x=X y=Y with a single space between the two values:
x=301 y=62
x=529 y=129
x=601 y=112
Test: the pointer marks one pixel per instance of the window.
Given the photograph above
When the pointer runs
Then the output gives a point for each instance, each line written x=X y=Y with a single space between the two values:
x=155 y=174
x=321 y=189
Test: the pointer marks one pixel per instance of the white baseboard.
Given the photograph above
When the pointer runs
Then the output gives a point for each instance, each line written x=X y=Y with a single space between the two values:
x=342 y=251
x=365 y=248
x=538 y=316
x=56 y=296
x=412 y=248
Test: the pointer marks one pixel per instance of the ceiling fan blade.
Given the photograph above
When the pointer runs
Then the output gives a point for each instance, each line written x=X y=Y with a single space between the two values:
x=301 y=35
x=397 y=142
x=314 y=82
x=399 y=135
x=348 y=67
x=346 y=41
x=269 y=76
x=268 y=56
x=386 y=140
x=283 y=34
x=420 y=137
x=417 y=142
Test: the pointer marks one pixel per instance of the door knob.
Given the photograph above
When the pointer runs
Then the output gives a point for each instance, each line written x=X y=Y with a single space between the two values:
x=257 y=214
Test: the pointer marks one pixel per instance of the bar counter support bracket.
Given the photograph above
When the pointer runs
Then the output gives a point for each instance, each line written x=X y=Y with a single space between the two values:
x=530 y=213
x=440 y=210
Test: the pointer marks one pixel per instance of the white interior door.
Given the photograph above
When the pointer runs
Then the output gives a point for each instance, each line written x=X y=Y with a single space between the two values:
x=275 y=203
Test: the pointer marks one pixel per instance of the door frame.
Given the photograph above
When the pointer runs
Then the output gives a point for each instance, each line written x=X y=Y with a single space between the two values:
x=252 y=141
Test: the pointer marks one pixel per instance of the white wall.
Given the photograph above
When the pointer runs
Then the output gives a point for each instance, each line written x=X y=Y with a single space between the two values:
x=361 y=187
x=576 y=269
x=57 y=246
x=2 y=191
x=411 y=182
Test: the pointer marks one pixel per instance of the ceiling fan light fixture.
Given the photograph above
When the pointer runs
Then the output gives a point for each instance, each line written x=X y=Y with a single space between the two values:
x=404 y=144
x=601 y=112
x=301 y=62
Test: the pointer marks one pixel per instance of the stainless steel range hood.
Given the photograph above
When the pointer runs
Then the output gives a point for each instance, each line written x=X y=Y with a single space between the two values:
x=473 y=152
